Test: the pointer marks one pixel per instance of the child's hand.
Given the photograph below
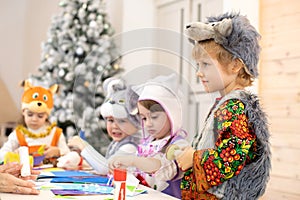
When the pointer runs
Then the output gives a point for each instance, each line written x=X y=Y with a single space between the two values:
x=148 y=165
x=185 y=159
x=120 y=162
x=76 y=141
x=51 y=151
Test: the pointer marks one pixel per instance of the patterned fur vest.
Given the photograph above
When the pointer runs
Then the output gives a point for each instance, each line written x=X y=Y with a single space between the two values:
x=252 y=180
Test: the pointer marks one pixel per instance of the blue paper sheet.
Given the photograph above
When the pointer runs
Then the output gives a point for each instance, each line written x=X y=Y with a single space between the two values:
x=97 y=179
x=84 y=190
x=69 y=176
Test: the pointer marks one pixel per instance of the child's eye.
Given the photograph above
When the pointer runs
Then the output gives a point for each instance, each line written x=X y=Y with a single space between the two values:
x=121 y=121
x=45 y=98
x=205 y=64
x=202 y=65
x=35 y=95
x=154 y=116
x=110 y=120
x=41 y=115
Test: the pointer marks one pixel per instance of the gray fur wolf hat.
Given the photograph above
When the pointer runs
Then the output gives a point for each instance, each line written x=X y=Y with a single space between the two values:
x=235 y=33
x=115 y=104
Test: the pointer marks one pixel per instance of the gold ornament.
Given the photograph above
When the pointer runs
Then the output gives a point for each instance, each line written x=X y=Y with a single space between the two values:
x=36 y=135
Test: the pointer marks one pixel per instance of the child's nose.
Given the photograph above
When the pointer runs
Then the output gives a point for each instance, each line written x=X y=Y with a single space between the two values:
x=148 y=123
x=199 y=74
x=35 y=117
x=114 y=124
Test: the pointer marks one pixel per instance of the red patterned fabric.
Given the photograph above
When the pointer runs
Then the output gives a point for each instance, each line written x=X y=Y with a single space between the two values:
x=235 y=146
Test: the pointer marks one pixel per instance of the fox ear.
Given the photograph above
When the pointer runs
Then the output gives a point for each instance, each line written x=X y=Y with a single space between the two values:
x=54 y=88
x=26 y=84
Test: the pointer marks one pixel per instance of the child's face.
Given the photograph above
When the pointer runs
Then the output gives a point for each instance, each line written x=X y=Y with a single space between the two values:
x=156 y=123
x=118 y=129
x=34 y=120
x=213 y=75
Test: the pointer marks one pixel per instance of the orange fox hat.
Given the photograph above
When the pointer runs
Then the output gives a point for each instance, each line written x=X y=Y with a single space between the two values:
x=38 y=99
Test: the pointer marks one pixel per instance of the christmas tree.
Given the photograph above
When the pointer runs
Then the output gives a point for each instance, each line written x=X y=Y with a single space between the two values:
x=79 y=55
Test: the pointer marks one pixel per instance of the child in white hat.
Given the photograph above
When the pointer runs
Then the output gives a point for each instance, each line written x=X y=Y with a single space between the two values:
x=160 y=109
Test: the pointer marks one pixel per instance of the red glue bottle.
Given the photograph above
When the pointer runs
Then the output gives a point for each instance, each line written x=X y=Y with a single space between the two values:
x=120 y=184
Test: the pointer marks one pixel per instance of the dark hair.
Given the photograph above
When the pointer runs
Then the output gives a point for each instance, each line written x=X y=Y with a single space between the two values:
x=151 y=105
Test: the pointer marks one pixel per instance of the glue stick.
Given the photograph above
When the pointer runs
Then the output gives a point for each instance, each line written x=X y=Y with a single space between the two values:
x=119 y=184
x=24 y=161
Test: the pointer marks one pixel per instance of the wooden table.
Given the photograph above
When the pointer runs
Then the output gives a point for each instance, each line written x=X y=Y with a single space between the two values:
x=48 y=195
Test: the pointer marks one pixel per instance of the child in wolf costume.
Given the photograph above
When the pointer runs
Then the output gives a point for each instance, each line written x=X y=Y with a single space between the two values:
x=230 y=157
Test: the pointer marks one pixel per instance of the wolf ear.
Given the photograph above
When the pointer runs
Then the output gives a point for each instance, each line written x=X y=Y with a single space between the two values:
x=54 y=88
x=26 y=84
x=224 y=27
x=112 y=85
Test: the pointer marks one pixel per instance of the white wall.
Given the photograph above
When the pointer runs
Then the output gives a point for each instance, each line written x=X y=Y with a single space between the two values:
x=248 y=8
x=136 y=15
x=24 y=26
x=12 y=15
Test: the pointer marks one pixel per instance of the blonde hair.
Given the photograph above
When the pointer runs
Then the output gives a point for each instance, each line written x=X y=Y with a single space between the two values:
x=223 y=57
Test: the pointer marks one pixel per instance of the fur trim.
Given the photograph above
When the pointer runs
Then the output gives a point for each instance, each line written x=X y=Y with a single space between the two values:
x=251 y=183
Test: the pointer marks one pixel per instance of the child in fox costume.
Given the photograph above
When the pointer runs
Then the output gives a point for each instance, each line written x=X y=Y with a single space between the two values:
x=35 y=130
x=230 y=157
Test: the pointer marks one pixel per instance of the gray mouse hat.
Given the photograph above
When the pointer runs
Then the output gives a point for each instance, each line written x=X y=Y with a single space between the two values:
x=115 y=104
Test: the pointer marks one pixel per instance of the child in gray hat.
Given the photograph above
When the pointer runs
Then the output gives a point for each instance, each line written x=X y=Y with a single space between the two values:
x=121 y=126
x=230 y=157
